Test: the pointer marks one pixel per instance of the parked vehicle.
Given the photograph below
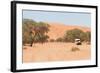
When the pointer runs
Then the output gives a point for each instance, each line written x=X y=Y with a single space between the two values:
x=78 y=42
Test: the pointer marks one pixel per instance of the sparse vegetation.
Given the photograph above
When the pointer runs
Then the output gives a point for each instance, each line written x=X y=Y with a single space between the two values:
x=59 y=40
x=71 y=35
x=34 y=32
x=75 y=49
x=52 y=40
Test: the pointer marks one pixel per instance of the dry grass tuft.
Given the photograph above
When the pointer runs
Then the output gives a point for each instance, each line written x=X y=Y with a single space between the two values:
x=75 y=49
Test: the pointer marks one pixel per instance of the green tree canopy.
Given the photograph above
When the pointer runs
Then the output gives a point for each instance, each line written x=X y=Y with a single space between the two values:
x=39 y=28
x=26 y=32
x=73 y=34
x=88 y=36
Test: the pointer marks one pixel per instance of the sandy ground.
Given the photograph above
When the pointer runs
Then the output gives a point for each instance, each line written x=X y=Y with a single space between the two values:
x=55 y=51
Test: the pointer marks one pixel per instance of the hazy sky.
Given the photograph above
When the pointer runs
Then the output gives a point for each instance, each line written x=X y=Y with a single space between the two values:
x=67 y=18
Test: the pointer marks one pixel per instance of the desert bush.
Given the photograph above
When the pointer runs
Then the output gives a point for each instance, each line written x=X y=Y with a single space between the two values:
x=75 y=49
x=59 y=40
x=65 y=39
x=73 y=34
x=52 y=40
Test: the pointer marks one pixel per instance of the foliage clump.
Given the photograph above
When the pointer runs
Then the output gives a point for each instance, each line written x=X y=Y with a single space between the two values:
x=73 y=34
x=34 y=32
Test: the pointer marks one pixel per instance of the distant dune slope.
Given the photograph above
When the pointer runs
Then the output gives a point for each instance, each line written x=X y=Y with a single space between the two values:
x=57 y=30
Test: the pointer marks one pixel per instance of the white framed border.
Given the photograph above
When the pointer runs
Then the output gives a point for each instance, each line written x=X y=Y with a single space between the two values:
x=21 y=66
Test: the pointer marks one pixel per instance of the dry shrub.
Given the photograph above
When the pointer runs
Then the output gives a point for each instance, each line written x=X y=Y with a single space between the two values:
x=75 y=49
x=52 y=40
x=60 y=40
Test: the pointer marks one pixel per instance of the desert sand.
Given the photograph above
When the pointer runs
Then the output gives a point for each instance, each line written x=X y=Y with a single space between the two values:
x=57 y=51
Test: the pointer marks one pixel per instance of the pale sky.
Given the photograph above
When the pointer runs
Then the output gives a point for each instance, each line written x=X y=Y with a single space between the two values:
x=67 y=18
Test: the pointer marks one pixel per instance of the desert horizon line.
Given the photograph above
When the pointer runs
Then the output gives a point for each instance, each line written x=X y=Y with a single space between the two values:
x=60 y=23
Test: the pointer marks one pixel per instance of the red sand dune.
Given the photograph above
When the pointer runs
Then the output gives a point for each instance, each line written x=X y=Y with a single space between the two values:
x=57 y=30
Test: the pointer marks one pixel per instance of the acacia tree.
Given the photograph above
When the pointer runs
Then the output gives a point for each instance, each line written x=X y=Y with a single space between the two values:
x=71 y=35
x=34 y=32
x=26 y=32
x=40 y=32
